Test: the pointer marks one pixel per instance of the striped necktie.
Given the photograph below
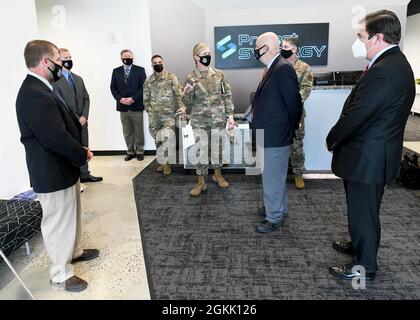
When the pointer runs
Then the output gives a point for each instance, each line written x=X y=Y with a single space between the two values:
x=126 y=74
x=71 y=82
x=366 y=69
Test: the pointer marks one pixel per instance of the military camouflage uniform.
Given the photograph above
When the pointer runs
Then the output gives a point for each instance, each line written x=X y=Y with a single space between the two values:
x=211 y=105
x=305 y=78
x=162 y=97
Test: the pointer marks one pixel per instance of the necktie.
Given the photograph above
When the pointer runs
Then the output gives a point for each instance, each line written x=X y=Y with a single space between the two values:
x=262 y=79
x=264 y=74
x=365 y=69
x=71 y=82
x=126 y=75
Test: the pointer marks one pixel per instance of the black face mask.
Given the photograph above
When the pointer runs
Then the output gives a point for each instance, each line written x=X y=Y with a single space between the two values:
x=258 y=54
x=57 y=72
x=158 y=68
x=205 y=60
x=128 y=61
x=286 y=53
x=68 y=64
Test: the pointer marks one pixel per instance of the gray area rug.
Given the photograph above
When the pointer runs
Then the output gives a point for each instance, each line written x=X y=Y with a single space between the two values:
x=206 y=248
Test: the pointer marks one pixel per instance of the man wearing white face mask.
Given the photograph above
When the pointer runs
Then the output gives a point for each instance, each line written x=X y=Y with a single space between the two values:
x=367 y=140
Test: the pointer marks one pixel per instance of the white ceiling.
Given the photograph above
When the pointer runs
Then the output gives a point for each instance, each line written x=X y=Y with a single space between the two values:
x=252 y=4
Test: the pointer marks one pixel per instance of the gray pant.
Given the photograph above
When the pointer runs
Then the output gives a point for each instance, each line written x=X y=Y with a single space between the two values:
x=84 y=170
x=276 y=161
x=132 y=123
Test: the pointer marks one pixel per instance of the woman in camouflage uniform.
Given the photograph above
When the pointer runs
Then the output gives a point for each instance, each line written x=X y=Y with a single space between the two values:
x=209 y=95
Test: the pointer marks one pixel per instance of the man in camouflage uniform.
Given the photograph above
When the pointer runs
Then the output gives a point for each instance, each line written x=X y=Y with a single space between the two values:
x=210 y=97
x=162 y=98
x=305 y=77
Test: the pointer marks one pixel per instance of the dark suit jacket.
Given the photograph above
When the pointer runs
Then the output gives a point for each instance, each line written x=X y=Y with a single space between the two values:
x=277 y=105
x=133 y=89
x=367 y=140
x=78 y=100
x=50 y=133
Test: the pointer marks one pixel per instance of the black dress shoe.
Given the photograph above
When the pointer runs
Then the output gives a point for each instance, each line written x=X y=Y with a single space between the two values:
x=266 y=227
x=343 y=247
x=346 y=273
x=87 y=255
x=91 y=179
x=140 y=157
x=129 y=157
x=74 y=284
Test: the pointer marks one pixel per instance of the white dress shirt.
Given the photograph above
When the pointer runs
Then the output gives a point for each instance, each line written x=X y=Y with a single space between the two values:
x=272 y=61
x=45 y=81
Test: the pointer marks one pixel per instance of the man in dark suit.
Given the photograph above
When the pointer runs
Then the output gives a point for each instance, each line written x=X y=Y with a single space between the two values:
x=127 y=89
x=277 y=109
x=73 y=91
x=367 y=140
x=50 y=133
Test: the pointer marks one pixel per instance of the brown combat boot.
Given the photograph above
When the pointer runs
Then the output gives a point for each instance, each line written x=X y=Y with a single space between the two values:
x=217 y=177
x=299 y=183
x=200 y=187
x=167 y=169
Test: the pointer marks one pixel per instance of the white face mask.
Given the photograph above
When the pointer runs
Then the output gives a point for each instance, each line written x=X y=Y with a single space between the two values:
x=359 y=50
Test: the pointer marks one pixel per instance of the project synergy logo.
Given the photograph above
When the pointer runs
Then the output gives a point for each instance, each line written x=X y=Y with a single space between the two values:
x=226 y=48
x=234 y=45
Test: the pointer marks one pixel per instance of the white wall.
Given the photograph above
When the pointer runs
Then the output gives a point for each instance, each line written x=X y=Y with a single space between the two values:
x=176 y=26
x=95 y=32
x=412 y=49
x=342 y=35
x=17 y=27
x=412 y=43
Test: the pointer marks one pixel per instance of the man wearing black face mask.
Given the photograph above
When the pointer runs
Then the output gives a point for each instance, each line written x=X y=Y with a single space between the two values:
x=51 y=134
x=127 y=89
x=162 y=98
x=305 y=78
x=73 y=91
x=277 y=109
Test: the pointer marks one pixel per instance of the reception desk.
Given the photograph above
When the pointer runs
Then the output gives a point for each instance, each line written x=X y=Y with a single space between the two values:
x=323 y=108
x=416 y=105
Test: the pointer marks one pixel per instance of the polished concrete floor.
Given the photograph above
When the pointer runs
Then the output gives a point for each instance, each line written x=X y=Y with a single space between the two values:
x=413 y=146
x=412 y=134
x=110 y=224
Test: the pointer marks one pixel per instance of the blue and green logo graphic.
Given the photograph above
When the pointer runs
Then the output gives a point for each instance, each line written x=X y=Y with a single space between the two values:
x=234 y=45
x=226 y=48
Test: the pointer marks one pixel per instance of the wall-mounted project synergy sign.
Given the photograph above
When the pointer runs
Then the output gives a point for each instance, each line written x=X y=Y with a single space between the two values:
x=234 y=46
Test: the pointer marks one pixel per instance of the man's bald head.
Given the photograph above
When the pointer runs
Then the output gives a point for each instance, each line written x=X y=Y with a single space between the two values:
x=270 y=44
x=270 y=39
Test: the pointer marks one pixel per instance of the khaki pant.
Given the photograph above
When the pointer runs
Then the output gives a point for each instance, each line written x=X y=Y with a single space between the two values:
x=61 y=230
x=132 y=123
